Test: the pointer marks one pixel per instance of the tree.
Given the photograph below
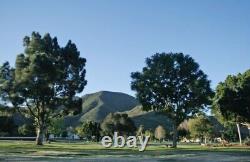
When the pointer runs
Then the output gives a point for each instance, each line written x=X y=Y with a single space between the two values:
x=89 y=129
x=230 y=132
x=7 y=93
x=174 y=85
x=45 y=80
x=160 y=133
x=200 y=127
x=116 y=122
x=229 y=129
x=56 y=126
x=232 y=99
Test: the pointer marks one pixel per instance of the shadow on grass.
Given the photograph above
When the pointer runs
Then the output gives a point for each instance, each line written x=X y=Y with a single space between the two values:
x=80 y=150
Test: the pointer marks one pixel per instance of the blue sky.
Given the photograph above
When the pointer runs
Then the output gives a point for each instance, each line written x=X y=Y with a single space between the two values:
x=116 y=36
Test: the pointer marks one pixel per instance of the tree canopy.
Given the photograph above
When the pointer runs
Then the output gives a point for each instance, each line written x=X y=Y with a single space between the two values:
x=116 y=122
x=91 y=130
x=173 y=84
x=200 y=127
x=232 y=97
x=45 y=79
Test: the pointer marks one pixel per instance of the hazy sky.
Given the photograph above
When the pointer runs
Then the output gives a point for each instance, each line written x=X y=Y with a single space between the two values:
x=116 y=36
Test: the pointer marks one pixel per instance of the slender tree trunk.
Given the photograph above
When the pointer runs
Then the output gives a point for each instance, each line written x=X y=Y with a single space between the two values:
x=174 y=135
x=40 y=136
x=238 y=128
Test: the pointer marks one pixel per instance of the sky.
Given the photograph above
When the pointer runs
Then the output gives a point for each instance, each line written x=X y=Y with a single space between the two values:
x=116 y=36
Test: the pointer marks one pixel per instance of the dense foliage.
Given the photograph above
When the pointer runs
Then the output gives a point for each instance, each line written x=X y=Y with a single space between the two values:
x=116 y=122
x=174 y=85
x=44 y=81
x=89 y=130
x=233 y=97
x=200 y=127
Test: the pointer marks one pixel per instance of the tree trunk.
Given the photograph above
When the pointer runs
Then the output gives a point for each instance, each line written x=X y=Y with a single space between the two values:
x=174 y=135
x=40 y=136
x=238 y=128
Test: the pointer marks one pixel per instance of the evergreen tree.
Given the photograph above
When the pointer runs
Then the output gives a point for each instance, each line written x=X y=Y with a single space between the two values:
x=44 y=81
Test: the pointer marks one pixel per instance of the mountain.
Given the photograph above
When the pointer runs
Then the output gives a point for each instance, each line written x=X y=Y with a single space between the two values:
x=97 y=106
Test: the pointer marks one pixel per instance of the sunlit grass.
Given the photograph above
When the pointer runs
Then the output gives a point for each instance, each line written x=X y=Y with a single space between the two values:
x=80 y=149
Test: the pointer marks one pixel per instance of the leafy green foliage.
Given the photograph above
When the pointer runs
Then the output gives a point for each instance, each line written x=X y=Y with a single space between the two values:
x=200 y=127
x=232 y=97
x=229 y=132
x=89 y=130
x=174 y=85
x=45 y=79
x=56 y=126
x=7 y=89
x=116 y=122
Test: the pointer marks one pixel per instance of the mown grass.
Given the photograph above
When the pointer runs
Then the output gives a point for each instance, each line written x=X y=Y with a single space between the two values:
x=80 y=149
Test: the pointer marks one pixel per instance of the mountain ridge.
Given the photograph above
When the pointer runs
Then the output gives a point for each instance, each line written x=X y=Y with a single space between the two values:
x=96 y=106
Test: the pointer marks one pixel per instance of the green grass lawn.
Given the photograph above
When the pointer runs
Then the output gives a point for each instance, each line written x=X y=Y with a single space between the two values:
x=54 y=150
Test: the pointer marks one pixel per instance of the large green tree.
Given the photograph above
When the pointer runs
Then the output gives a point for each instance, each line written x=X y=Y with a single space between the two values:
x=173 y=84
x=200 y=127
x=44 y=81
x=232 y=99
x=116 y=122
x=89 y=129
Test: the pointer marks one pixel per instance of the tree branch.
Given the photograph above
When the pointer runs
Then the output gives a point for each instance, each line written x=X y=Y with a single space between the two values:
x=30 y=110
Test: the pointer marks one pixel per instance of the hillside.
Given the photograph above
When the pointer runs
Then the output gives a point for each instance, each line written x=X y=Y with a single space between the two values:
x=97 y=106
x=150 y=120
